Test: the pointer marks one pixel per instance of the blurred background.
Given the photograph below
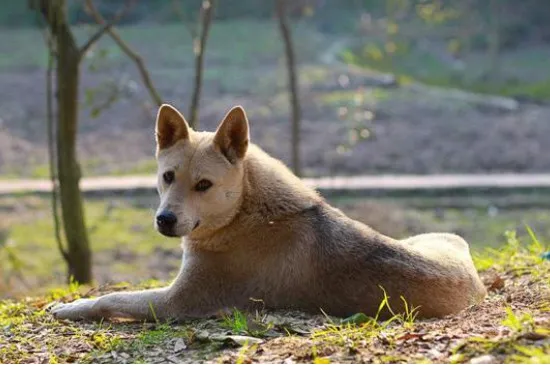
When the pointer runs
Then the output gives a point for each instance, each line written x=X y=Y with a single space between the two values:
x=331 y=87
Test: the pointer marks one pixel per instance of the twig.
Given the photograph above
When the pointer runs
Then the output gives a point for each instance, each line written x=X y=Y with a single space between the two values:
x=128 y=51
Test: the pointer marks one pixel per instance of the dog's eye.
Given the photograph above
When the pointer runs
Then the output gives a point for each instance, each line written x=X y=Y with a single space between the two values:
x=168 y=177
x=203 y=185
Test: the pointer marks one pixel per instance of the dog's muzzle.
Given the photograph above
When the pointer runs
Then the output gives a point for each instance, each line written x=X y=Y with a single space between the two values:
x=166 y=222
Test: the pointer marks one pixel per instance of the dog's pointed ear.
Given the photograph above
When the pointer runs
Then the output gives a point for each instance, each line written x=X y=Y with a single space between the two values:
x=232 y=134
x=170 y=127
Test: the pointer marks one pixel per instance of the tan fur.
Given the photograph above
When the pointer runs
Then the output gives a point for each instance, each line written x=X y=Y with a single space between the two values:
x=260 y=233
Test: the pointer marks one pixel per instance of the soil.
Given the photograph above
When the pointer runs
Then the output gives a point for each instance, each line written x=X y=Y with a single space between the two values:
x=511 y=325
x=438 y=341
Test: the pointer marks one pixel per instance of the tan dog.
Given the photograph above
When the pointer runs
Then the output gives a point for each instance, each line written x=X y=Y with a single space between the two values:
x=253 y=230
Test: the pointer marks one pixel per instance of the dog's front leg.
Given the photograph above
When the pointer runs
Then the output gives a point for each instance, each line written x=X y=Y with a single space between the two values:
x=151 y=304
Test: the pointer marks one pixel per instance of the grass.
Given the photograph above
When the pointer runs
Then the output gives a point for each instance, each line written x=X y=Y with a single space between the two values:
x=236 y=321
x=522 y=71
x=49 y=341
x=127 y=248
x=90 y=167
x=257 y=41
x=511 y=330
x=121 y=228
x=29 y=333
x=522 y=257
x=360 y=329
x=515 y=350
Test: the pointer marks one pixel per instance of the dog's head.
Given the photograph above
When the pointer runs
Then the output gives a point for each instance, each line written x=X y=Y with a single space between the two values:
x=200 y=174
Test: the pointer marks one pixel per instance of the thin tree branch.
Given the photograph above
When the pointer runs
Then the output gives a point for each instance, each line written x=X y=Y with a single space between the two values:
x=199 y=46
x=128 y=51
x=106 y=26
x=51 y=149
x=94 y=38
x=184 y=19
x=280 y=6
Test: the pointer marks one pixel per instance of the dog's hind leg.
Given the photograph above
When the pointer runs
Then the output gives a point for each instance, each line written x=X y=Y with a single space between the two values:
x=436 y=240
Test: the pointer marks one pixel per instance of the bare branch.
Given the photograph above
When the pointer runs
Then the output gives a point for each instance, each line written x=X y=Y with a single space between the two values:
x=128 y=51
x=199 y=46
x=281 y=9
x=184 y=19
x=106 y=26
x=94 y=38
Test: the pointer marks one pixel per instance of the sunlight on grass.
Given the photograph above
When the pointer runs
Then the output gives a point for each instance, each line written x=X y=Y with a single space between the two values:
x=524 y=258
x=414 y=63
x=141 y=342
x=54 y=342
x=360 y=328
x=236 y=321
x=513 y=347
x=115 y=228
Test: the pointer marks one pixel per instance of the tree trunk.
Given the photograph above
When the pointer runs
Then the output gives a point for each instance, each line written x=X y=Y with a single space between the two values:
x=67 y=78
x=292 y=85
x=79 y=254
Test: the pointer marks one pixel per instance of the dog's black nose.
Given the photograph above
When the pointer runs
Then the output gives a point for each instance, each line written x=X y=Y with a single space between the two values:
x=166 y=220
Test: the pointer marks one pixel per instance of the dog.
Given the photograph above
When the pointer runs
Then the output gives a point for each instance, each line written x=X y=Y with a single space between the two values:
x=253 y=231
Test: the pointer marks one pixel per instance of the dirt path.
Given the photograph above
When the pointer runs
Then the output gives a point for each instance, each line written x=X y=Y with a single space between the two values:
x=345 y=183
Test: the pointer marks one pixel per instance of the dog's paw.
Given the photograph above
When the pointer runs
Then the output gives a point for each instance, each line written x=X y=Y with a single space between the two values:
x=79 y=309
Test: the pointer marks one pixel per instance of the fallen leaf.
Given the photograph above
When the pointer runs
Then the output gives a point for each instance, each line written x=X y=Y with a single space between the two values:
x=497 y=284
x=408 y=336
x=534 y=336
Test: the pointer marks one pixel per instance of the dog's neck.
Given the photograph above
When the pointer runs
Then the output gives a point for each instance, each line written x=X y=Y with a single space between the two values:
x=271 y=190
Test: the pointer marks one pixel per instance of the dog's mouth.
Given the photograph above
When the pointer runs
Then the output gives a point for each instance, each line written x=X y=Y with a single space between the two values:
x=171 y=232
x=168 y=232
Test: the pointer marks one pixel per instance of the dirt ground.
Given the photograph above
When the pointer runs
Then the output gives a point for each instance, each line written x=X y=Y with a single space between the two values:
x=512 y=325
x=439 y=341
